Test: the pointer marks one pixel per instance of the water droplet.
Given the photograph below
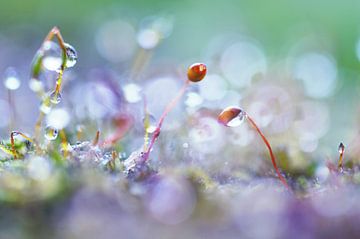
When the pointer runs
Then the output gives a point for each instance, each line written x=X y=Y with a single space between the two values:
x=148 y=38
x=58 y=118
x=196 y=72
x=193 y=99
x=55 y=97
x=51 y=133
x=45 y=107
x=132 y=93
x=11 y=80
x=318 y=72
x=151 y=125
x=36 y=85
x=52 y=58
x=71 y=55
x=232 y=116
x=39 y=168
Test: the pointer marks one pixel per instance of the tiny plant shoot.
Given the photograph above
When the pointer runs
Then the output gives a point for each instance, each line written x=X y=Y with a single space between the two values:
x=196 y=72
x=233 y=116
x=341 y=150
x=67 y=59
x=12 y=141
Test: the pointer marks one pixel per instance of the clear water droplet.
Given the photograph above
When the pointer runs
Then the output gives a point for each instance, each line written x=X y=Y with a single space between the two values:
x=71 y=55
x=51 y=133
x=55 y=97
x=36 y=85
x=238 y=120
x=52 y=56
x=151 y=127
x=11 y=79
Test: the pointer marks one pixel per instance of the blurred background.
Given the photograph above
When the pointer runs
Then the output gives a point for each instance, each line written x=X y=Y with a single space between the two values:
x=293 y=65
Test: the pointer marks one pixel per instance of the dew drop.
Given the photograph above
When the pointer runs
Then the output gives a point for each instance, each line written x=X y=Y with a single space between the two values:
x=132 y=93
x=11 y=80
x=232 y=116
x=45 y=107
x=148 y=39
x=58 y=118
x=55 y=97
x=51 y=133
x=193 y=99
x=151 y=124
x=52 y=59
x=36 y=85
x=71 y=55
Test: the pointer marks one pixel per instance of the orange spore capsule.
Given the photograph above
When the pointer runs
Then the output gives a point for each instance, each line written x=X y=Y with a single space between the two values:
x=196 y=72
x=228 y=114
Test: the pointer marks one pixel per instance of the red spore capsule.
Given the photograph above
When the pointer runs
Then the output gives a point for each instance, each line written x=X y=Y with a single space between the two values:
x=196 y=72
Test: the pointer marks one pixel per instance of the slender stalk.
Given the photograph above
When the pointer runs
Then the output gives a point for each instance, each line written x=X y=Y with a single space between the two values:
x=168 y=108
x=282 y=179
x=13 y=110
x=64 y=143
x=146 y=125
x=96 y=139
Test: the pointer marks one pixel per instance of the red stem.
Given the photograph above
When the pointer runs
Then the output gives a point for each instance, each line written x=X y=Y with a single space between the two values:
x=168 y=108
x=282 y=179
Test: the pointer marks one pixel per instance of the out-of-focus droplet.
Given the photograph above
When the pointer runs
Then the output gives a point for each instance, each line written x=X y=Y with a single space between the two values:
x=51 y=133
x=52 y=58
x=242 y=61
x=153 y=30
x=58 y=118
x=45 y=107
x=71 y=55
x=172 y=200
x=242 y=136
x=196 y=72
x=115 y=41
x=163 y=25
x=193 y=99
x=39 y=168
x=55 y=97
x=214 y=88
x=322 y=173
x=318 y=72
x=206 y=136
x=132 y=93
x=151 y=124
x=11 y=79
x=36 y=85
x=232 y=116
x=148 y=39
